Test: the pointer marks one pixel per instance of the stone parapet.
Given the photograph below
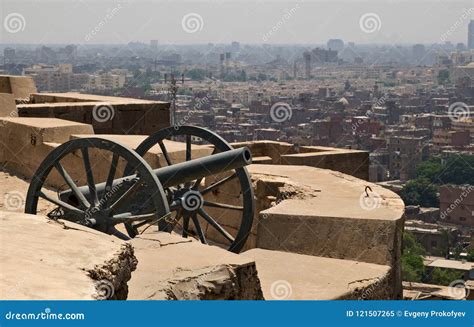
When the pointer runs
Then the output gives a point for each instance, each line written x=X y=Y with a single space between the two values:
x=347 y=161
x=107 y=115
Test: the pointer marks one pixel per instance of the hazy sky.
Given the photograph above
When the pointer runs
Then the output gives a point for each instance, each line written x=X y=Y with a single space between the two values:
x=310 y=21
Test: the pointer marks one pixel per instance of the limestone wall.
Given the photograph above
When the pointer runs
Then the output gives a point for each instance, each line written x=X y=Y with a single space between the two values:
x=108 y=115
x=351 y=162
x=25 y=142
x=44 y=260
x=50 y=260
x=7 y=105
x=321 y=213
x=20 y=86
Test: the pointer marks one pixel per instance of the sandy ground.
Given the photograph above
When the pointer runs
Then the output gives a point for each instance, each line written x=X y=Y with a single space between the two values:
x=13 y=190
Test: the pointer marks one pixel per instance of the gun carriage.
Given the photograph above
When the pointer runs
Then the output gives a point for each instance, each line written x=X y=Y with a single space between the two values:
x=134 y=197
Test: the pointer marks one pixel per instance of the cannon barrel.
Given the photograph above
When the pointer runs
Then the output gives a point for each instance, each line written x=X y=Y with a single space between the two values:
x=184 y=171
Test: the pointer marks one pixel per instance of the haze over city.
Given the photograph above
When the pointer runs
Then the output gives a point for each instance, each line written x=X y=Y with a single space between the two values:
x=306 y=22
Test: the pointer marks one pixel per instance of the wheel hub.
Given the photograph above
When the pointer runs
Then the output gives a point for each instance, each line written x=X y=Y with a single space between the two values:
x=191 y=200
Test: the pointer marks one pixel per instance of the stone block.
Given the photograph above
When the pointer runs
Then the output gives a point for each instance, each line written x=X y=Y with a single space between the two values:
x=25 y=142
x=20 y=86
x=47 y=260
x=290 y=276
x=7 y=105
x=174 y=268
x=127 y=116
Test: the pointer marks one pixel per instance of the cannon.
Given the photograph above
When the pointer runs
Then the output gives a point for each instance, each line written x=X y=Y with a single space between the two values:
x=133 y=197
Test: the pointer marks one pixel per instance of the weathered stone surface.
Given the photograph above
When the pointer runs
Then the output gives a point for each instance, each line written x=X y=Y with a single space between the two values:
x=25 y=142
x=290 y=276
x=171 y=267
x=347 y=161
x=20 y=86
x=7 y=105
x=319 y=212
x=13 y=190
x=44 y=259
x=117 y=116
x=154 y=156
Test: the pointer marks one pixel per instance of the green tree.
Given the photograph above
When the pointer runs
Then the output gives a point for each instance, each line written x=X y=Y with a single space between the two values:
x=196 y=74
x=455 y=170
x=443 y=77
x=430 y=169
x=441 y=276
x=413 y=269
x=458 y=170
x=470 y=254
x=420 y=191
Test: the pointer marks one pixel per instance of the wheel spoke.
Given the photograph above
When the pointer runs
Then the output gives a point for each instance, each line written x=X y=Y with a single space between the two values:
x=216 y=225
x=198 y=229
x=113 y=169
x=60 y=203
x=165 y=153
x=119 y=234
x=126 y=195
x=72 y=185
x=185 y=225
x=188 y=156
x=222 y=205
x=219 y=183
x=188 y=147
x=90 y=176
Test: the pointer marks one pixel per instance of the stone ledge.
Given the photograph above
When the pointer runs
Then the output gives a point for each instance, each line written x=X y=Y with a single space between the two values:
x=289 y=276
x=174 y=268
x=47 y=260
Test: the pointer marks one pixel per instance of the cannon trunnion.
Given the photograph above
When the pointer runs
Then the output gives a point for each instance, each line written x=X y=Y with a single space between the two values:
x=178 y=197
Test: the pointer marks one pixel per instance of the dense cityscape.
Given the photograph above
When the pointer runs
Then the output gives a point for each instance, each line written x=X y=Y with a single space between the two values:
x=411 y=106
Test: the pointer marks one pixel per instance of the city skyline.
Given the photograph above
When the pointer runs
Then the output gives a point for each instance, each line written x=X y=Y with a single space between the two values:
x=263 y=22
